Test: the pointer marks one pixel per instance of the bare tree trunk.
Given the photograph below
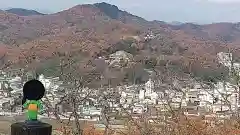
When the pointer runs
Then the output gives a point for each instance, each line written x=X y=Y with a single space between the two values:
x=75 y=114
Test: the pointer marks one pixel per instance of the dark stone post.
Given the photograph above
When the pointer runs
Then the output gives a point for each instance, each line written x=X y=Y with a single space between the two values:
x=31 y=128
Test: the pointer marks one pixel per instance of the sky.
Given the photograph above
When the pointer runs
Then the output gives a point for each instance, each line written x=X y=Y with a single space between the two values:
x=197 y=11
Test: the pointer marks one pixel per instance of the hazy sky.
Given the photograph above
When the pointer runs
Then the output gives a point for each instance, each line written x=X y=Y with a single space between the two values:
x=201 y=11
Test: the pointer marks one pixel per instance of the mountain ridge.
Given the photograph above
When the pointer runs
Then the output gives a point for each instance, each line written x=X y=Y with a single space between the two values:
x=86 y=32
x=23 y=12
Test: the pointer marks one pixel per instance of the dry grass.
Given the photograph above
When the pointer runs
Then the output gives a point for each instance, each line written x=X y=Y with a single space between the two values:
x=181 y=126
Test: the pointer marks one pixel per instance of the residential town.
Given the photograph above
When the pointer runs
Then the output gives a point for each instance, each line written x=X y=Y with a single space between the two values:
x=151 y=99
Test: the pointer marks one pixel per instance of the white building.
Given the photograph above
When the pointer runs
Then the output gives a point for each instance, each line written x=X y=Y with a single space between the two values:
x=50 y=83
x=154 y=97
x=91 y=110
x=16 y=79
x=141 y=94
x=184 y=103
x=227 y=96
x=192 y=96
x=121 y=55
x=206 y=99
x=45 y=82
x=8 y=101
x=138 y=109
x=236 y=67
x=178 y=97
x=122 y=100
x=149 y=87
x=225 y=59
x=123 y=94
x=220 y=108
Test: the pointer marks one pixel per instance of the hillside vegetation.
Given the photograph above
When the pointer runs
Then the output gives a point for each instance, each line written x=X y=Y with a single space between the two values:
x=84 y=33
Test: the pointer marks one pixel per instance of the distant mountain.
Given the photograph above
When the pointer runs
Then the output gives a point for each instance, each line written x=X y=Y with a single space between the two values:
x=175 y=23
x=23 y=12
x=115 y=13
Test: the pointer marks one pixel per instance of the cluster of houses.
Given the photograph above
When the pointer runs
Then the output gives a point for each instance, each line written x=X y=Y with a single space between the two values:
x=195 y=100
x=137 y=100
x=140 y=100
